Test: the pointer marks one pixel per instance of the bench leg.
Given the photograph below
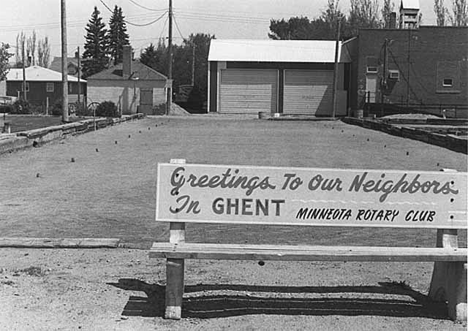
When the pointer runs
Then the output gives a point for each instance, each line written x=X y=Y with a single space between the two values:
x=174 y=288
x=449 y=283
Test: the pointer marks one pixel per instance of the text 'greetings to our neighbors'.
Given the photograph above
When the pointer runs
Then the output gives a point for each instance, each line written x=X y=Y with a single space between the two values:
x=307 y=196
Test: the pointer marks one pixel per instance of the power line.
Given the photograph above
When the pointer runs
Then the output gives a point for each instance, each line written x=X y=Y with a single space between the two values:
x=134 y=24
x=177 y=26
x=141 y=6
x=223 y=18
x=149 y=23
x=164 y=26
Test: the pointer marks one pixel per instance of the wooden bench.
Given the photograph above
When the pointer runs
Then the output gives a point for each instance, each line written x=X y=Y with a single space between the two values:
x=175 y=204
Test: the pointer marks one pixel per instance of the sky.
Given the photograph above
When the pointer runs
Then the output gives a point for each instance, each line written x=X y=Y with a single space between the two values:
x=234 y=19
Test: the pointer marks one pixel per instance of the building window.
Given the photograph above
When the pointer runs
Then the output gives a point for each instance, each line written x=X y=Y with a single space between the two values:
x=448 y=82
x=372 y=70
x=394 y=74
x=448 y=78
x=50 y=87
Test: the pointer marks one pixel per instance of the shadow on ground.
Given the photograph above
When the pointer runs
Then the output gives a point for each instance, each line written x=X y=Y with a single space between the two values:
x=212 y=301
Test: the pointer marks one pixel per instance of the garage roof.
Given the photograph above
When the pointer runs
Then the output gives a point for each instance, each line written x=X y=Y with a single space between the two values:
x=248 y=50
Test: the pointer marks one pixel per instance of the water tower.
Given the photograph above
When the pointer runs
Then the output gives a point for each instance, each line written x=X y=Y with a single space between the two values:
x=409 y=14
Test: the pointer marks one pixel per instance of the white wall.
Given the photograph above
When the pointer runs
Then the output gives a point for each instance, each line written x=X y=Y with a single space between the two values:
x=125 y=94
x=3 y=87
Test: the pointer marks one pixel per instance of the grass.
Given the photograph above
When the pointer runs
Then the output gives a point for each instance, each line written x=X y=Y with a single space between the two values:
x=110 y=191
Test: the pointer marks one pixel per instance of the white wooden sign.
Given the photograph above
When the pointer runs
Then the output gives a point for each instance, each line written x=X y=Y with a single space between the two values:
x=310 y=196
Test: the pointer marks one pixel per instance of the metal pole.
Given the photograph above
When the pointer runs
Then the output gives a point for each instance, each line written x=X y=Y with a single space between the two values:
x=169 y=69
x=64 y=62
x=335 y=71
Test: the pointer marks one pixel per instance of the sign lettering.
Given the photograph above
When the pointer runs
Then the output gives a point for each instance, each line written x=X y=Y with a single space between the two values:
x=311 y=196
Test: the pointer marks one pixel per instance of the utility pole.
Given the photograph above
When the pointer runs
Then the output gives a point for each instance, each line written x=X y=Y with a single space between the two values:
x=79 y=76
x=64 y=62
x=335 y=71
x=24 y=72
x=409 y=70
x=383 y=85
x=169 y=69
x=193 y=64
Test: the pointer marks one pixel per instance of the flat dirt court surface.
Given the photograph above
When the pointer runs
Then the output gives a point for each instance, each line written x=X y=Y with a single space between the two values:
x=102 y=184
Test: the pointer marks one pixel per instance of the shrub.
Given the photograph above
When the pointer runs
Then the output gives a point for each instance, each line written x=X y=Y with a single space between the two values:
x=21 y=107
x=7 y=109
x=57 y=108
x=82 y=110
x=160 y=109
x=107 y=109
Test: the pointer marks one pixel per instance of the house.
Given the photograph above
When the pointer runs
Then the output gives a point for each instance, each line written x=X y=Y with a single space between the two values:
x=72 y=65
x=277 y=76
x=43 y=86
x=131 y=85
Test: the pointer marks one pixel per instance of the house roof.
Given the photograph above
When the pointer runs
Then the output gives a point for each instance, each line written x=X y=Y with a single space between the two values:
x=139 y=70
x=304 y=51
x=409 y=4
x=56 y=64
x=39 y=74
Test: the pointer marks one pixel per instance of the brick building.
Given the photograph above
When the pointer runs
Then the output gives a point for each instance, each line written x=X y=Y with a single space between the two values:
x=425 y=67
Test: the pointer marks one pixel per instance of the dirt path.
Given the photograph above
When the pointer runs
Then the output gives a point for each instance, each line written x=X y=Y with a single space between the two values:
x=108 y=190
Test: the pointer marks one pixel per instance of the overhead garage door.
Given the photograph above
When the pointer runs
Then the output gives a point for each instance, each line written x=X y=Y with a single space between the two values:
x=308 y=92
x=248 y=91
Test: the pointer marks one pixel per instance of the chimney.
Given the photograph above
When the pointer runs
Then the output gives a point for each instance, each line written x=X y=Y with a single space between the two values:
x=127 y=61
x=392 y=23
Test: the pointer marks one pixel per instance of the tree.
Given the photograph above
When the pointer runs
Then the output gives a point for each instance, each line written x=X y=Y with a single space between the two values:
x=43 y=52
x=20 y=49
x=183 y=58
x=117 y=35
x=322 y=28
x=201 y=42
x=36 y=52
x=4 y=60
x=387 y=10
x=440 y=11
x=294 y=28
x=155 y=57
x=460 y=13
x=364 y=14
x=95 y=54
x=31 y=49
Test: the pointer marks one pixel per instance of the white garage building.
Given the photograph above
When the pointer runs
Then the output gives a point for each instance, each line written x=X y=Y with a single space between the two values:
x=291 y=77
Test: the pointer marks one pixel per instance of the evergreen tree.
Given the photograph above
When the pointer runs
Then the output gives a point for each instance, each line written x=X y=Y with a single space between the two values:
x=117 y=35
x=95 y=54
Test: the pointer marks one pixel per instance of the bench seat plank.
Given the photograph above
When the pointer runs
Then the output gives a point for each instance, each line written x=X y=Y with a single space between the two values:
x=305 y=253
